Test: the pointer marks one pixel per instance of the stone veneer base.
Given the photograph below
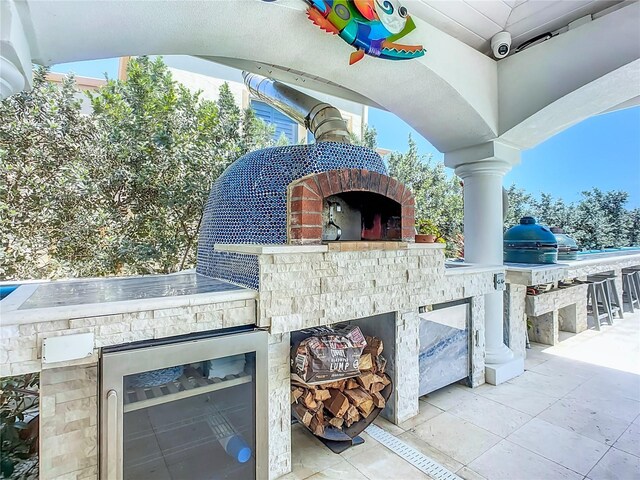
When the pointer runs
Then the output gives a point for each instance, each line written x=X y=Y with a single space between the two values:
x=300 y=287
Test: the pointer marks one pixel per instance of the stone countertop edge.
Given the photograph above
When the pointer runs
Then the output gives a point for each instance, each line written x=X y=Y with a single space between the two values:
x=536 y=273
x=64 y=312
x=613 y=258
x=468 y=268
x=572 y=264
x=252 y=249
x=426 y=246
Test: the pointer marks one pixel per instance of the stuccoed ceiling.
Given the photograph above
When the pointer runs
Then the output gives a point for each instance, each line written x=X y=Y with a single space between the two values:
x=474 y=22
x=455 y=95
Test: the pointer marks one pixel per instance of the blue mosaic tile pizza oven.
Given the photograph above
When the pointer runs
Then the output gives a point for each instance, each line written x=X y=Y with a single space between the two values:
x=248 y=202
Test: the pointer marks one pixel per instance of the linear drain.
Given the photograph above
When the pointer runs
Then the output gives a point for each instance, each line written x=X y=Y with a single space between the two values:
x=410 y=454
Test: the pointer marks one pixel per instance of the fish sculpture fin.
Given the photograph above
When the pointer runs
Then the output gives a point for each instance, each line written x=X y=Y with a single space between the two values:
x=356 y=56
x=396 y=51
x=401 y=48
x=317 y=18
x=366 y=8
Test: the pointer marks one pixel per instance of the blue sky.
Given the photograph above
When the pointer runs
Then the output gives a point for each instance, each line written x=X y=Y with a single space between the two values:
x=603 y=151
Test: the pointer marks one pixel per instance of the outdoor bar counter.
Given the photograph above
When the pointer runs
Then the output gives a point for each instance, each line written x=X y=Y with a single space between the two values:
x=559 y=308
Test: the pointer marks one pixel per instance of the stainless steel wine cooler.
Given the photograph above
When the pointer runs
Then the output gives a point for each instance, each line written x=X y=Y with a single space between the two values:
x=192 y=408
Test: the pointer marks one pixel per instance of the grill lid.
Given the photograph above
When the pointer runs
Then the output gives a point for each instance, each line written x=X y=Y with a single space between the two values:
x=565 y=242
x=529 y=235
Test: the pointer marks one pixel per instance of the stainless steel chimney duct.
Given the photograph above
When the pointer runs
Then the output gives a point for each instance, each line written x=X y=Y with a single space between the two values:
x=324 y=121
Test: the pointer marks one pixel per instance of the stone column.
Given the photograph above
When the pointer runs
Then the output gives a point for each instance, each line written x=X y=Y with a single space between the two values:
x=482 y=168
x=407 y=381
x=68 y=422
x=515 y=321
x=478 y=346
x=279 y=406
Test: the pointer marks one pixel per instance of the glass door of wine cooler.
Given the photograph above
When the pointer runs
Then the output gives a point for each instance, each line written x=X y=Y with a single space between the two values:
x=194 y=409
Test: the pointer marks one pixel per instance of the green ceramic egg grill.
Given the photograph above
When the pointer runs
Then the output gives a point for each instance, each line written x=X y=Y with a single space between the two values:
x=530 y=242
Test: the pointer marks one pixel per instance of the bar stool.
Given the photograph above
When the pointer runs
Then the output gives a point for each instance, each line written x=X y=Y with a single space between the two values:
x=631 y=288
x=598 y=301
x=611 y=291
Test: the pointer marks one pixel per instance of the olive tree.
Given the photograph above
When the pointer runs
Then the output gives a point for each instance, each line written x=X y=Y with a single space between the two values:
x=118 y=191
x=50 y=206
x=438 y=196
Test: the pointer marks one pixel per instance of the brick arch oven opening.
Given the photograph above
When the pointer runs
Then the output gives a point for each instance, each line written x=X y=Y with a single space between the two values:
x=349 y=205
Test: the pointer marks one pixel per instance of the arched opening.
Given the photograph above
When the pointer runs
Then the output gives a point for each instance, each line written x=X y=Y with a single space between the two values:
x=349 y=205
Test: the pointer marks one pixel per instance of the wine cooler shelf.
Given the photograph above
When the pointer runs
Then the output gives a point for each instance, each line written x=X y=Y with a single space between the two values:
x=190 y=383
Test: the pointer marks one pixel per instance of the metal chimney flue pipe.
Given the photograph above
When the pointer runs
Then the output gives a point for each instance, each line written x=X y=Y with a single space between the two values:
x=324 y=121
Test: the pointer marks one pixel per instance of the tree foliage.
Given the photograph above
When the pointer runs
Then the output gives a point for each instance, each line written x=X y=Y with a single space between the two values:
x=438 y=196
x=120 y=191
x=598 y=220
x=48 y=200
x=369 y=138
x=520 y=205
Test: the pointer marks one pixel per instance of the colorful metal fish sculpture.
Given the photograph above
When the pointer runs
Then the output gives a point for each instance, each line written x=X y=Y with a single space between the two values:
x=370 y=26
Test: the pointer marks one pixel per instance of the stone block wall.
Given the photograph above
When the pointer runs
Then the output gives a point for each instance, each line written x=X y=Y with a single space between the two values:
x=68 y=423
x=561 y=309
x=301 y=290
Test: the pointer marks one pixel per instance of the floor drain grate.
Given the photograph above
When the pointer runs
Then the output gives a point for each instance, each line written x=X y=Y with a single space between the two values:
x=410 y=454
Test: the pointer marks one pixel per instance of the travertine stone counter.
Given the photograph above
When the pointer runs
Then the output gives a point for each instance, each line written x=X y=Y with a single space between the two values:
x=526 y=274
x=69 y=390
x=116 y=323
x=563 y=309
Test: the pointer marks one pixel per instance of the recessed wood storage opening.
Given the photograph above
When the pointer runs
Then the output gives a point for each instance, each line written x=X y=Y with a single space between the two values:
x=340 y=410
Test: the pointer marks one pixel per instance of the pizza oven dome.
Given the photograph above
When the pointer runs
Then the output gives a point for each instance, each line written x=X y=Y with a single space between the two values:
x=248 y=202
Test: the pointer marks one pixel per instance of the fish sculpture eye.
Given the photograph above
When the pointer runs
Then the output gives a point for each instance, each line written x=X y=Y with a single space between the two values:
x=391 y=15
x=342 y=12
x=386 y=6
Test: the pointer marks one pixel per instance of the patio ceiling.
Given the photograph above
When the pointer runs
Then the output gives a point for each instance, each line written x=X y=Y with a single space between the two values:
x=475 y=22
x=456 y=96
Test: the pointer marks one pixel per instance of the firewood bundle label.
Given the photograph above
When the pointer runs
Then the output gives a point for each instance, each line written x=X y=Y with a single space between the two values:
x=328 y=354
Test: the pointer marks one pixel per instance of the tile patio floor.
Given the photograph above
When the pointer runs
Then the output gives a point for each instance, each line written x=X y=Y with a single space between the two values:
x=573 y=414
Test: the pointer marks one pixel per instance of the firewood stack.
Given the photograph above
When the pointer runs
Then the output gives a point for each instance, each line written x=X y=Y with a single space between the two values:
x=341 y=403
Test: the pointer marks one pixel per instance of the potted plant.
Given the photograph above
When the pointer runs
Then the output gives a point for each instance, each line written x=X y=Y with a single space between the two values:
x=426 y=231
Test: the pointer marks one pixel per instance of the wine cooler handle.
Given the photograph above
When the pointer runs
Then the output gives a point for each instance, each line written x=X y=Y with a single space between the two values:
x=113 y=454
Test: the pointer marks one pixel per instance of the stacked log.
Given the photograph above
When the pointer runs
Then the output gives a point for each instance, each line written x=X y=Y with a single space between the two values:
x=341 y=403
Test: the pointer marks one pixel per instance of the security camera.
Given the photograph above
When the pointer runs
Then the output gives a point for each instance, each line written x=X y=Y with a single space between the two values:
x=501 y=44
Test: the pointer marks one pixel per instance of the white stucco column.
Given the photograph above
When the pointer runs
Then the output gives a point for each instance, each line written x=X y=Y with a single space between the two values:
x=482 y=168
x=15 y=54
